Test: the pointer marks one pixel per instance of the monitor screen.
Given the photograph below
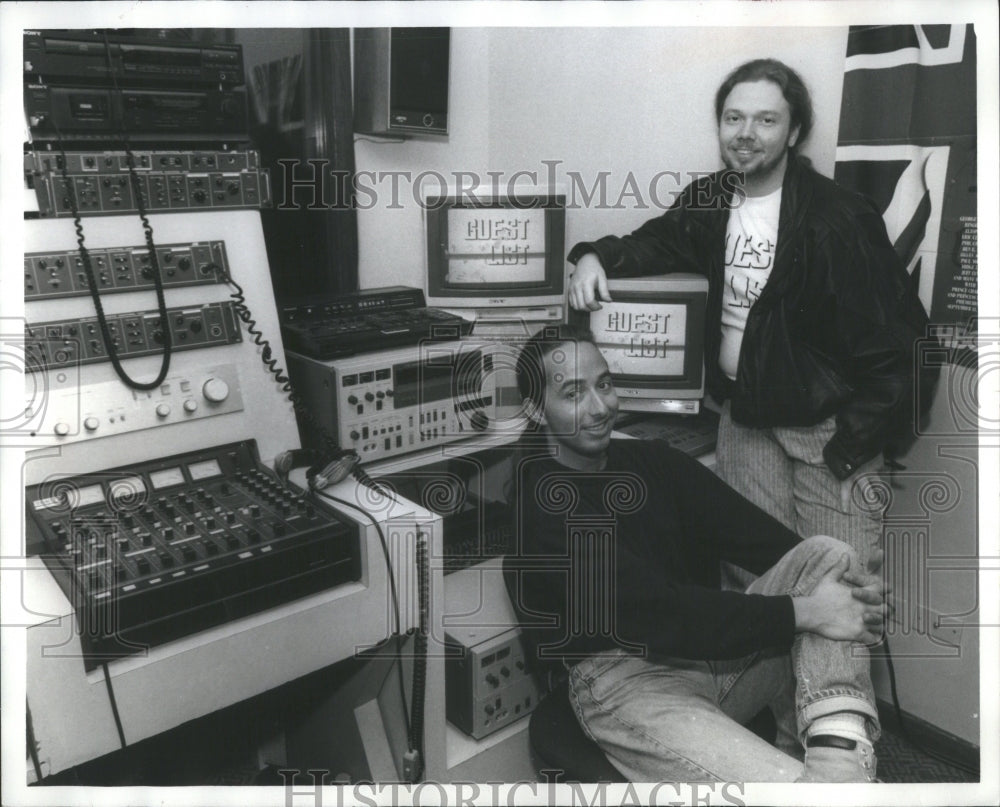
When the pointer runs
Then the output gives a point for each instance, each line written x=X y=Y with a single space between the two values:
x=652 y=336
x=496 y=255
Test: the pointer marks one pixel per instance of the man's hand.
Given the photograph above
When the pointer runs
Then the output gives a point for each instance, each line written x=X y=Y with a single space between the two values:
x=868 y=586
x=588 y=283
x=834 y=611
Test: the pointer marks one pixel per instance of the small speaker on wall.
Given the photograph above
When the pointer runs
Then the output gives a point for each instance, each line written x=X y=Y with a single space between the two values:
x=401 y=80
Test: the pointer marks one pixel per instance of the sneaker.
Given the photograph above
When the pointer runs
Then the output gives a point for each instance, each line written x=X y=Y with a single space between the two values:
x=830 y=758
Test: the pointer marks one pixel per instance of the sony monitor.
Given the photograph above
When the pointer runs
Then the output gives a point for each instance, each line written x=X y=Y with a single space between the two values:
x=652 y=335
x=497 y=258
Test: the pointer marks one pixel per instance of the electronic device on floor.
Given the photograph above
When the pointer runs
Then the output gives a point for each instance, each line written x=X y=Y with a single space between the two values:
x=488 y=682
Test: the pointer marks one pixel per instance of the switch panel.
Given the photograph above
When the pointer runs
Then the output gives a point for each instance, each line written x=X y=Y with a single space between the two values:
x=166 y=180
x=71 y=342
x=49 y=275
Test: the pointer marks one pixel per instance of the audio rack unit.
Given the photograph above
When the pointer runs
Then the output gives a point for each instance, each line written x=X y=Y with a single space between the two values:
x=153 y=551
x=49 y=275
x=169 y=181
x=114 y=58
x=78 y=341
x=83 y=115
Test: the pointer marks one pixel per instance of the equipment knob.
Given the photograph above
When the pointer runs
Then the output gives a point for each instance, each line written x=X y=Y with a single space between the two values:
x=91 y=424
x=215 y=389
x=61 y=429
x=369 y=397
x=488 y=709
x=162 y=410
x=492 y=680
x=389 y=393
x=505 y=672
x=355 y=435
x=190 y=405
x=352 y=399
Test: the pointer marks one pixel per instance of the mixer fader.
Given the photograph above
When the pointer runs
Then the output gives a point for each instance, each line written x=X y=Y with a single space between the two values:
x=158 y=550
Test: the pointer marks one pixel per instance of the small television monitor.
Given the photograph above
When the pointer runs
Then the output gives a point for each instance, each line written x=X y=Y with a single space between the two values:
x=652 y=335
x=497 y=257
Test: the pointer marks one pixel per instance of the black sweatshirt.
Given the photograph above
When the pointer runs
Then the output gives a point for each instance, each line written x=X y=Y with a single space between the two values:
x=629 y=557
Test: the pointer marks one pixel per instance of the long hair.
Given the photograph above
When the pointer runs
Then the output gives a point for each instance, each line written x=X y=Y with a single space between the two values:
x=792 y=86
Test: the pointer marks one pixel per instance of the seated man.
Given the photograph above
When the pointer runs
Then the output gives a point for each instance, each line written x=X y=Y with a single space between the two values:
x=621 y=543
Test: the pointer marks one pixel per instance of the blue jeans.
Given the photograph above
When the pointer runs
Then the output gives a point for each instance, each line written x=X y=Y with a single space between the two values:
x=666 y=719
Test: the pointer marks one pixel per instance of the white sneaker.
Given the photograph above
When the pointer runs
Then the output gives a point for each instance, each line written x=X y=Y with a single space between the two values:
x=830 y=758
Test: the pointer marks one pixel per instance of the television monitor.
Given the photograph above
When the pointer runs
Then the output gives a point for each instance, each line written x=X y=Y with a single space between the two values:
x=652 y=335
x=497 y=258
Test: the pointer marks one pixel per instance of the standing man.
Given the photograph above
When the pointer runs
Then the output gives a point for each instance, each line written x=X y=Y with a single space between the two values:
x=620 y=546
x=811 y=319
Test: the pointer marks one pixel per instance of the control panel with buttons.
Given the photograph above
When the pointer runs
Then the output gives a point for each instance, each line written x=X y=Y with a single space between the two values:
x=73 y=412
x=72 y=342
x=49 y=275
x=166 y=180
x=153 y=551
x=488 y=683
x=393 y=402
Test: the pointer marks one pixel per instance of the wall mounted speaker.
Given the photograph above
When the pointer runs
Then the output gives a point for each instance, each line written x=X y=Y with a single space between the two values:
x=401 y=80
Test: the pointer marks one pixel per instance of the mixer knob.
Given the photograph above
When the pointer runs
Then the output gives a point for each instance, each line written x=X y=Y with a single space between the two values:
x=190 y=405
x=230 y=518
x=168 y=535
x=162 y=410
x=255 y=510
x=215 y=389
x=91 y=424
x=189 y=553
x=189 y=528
x=210 y=523
x=143 y=565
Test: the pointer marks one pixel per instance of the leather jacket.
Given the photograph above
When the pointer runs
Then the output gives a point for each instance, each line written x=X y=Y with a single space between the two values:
x=832 y=332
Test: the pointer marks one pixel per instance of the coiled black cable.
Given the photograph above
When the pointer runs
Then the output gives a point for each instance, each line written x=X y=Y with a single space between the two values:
x=102 y=320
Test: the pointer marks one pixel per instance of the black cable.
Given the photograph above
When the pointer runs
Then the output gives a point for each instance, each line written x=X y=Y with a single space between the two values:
x=33 y=746
x=102 y=319
x=419 y=684
x=902 y=727
x=114 y=704
x=395 y=601
x=270 y=362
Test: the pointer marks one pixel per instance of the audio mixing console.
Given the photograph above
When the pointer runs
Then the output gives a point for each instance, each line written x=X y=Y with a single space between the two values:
x=157 y=550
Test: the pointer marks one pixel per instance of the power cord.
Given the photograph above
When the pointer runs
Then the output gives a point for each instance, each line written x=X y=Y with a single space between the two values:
x=414 y=749
x=114 y=704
